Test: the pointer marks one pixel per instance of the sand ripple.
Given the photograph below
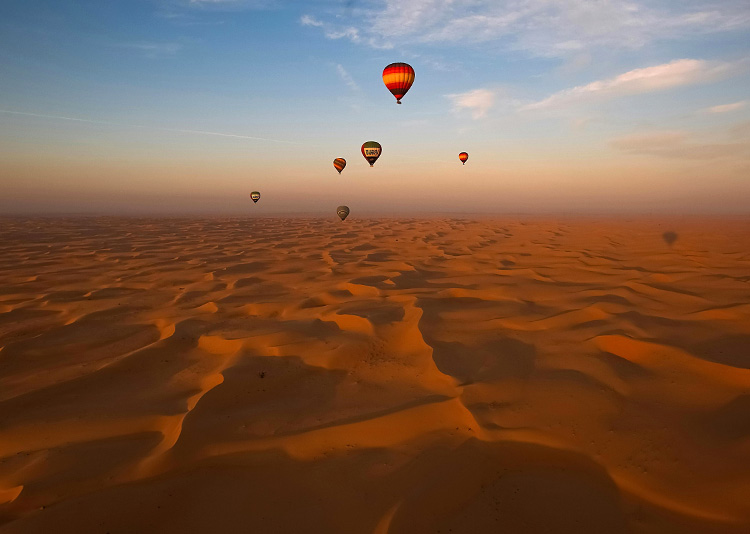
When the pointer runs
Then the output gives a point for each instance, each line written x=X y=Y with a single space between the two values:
x=375 y=376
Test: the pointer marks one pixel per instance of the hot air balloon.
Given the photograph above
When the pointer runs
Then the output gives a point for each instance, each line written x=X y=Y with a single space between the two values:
x=342 y=212
x=398 y=77
x=371 y=151
x=339 y=164
x=255 y=195
x=463 y=156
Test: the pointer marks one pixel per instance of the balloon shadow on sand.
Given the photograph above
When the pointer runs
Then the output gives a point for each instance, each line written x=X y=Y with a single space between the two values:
x=669 y=237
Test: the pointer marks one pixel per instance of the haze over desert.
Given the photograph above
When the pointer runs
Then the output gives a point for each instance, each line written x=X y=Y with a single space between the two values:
x=382 y=267
x=374 y=375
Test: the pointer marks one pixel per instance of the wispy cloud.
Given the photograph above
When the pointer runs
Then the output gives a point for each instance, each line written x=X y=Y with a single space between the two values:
x=346 y=77
x=350 y=33
x=153 y=50
x=678 y=144
x=478 y=102
x=433 y=62
x=231 y=4
x=725 y=108
x=336 y=31
x=307 y=20
x=657 y=78
x=541 y=27
x=191 y=12
x=154 y=128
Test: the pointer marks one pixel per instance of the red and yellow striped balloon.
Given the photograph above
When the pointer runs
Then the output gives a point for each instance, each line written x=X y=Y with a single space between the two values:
x=398 y=78
x=463 y=156
x=339 y=164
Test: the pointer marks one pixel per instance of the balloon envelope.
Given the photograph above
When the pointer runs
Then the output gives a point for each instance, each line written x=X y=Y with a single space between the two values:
x=255 y=195
x=463 y=156
x=371 y=151
x=398 y=78
x=339 y=164
x=342 y=212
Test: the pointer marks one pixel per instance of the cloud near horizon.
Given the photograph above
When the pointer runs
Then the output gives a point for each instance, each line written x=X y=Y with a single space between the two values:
x=678 y=144
x=677 y=73
x=478 y=102
x=725 y=108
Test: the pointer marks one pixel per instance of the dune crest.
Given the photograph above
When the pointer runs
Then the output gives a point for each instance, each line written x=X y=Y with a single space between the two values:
x=378 y=376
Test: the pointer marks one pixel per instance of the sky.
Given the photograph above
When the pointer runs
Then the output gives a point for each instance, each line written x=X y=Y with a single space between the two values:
x=184 y=107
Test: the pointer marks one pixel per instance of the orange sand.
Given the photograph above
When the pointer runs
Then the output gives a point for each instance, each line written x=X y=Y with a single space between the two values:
x=374 y=376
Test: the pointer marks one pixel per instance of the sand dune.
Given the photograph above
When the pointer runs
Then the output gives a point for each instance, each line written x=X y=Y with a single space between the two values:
x=374 y=375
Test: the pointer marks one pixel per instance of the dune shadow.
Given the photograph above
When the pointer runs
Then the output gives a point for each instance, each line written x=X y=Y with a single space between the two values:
x=377 y=314
x=494 y=360
x=728 y=350
x=731 y=421
x=513 y=487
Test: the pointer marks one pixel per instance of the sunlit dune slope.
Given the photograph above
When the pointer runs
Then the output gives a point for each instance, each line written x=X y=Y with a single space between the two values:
x=374 y=375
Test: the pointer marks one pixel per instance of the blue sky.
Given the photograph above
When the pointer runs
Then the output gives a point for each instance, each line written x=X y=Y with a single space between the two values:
x=186 y=106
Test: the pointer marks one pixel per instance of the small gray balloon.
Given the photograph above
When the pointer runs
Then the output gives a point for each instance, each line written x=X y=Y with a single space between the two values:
x=342 y=212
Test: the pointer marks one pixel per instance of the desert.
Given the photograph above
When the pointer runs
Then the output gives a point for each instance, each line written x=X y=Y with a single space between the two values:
x=377 y=375
x=375 y=267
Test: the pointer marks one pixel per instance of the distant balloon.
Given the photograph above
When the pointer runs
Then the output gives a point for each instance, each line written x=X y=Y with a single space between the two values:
x=255 y=196
x=398 y=78
x=463 y=156
x=342 y=212
x=339 y=164
x=669 y=237
x=371 y=151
